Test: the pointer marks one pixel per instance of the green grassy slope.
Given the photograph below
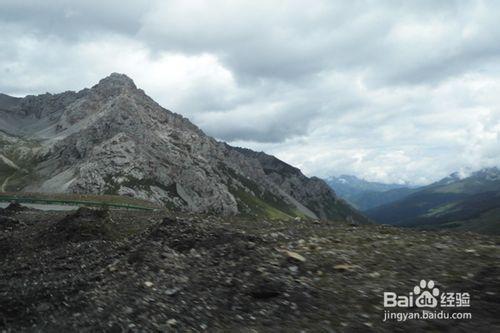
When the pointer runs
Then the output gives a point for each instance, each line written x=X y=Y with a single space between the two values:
x=458 y=206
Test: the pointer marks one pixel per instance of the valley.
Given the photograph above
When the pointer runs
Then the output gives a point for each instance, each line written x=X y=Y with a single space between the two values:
x=364 y=195
x=471 y=203
x=249 y=166
x=158 y=226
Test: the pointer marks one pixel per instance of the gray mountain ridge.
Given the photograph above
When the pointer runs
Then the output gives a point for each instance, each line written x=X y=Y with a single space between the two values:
x=114 y=139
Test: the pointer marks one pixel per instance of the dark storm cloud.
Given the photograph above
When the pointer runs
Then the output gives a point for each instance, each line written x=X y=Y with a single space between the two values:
x=361 y=85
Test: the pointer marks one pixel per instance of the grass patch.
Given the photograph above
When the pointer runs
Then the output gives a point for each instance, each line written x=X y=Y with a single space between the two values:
x=251 y=206
x=440 y=210
x=262 y=203
x=68 y=198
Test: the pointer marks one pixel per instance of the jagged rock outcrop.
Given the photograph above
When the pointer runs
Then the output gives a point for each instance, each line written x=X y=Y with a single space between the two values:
x=114 y=139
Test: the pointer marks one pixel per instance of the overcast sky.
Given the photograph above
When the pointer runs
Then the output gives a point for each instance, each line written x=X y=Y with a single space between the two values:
x=389 y=91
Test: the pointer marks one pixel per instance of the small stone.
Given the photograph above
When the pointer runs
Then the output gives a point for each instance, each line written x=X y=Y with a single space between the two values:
x=148 y=284
x=171 y=322
x=293 y=269
x=344 y=267
x=295 y=256
x=441 y=246
x=374 y=274
x=470 y=251
x=172 y=291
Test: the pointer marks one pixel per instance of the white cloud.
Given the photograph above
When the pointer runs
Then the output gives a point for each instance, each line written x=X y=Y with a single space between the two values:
x=391 y=92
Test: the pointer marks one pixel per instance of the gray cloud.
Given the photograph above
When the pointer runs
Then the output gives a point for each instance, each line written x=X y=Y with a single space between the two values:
x=74 y=19
x=392 y=91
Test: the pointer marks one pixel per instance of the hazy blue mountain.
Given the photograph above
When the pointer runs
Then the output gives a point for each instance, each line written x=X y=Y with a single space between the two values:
x=470 y=203
x=364 y=194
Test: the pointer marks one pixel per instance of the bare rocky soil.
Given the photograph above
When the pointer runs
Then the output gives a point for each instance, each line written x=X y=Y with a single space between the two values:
x=121 y=271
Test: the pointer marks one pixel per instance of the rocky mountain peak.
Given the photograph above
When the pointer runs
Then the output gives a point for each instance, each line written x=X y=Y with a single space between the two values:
x=115 y=83
x=114 y=139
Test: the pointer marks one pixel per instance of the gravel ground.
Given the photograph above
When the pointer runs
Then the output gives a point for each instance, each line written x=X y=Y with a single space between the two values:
x=123 y=271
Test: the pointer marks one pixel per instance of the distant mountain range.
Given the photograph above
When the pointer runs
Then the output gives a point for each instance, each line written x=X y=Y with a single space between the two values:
x=114 y=139
x=470 y=203
x=363 y=194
